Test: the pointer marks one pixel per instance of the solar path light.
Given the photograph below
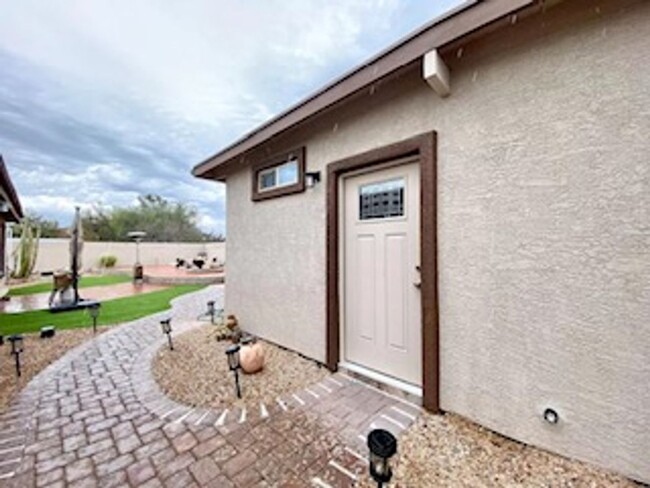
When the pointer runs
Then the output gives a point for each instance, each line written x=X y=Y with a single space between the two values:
x=167 y=329
x=93 y=310
x=211 y=311
x=16 y=349
x=233 y=363
x=382 y=445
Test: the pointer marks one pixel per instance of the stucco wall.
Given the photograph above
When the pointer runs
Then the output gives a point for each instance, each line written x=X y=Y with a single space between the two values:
x=54 y=254
x=544 y=234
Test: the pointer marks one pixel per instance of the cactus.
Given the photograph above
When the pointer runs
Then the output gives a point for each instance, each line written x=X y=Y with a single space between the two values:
x=26 y=252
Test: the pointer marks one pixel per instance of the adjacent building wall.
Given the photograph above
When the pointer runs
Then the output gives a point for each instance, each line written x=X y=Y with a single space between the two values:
x=54 y=254
x=3 y=244
x=544 y=234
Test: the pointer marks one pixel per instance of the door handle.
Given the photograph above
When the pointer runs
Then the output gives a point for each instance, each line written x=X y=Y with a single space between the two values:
x=417 y=284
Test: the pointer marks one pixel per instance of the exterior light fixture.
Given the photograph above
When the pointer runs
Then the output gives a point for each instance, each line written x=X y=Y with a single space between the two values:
x=232 y=354
x=16 y=349
x=382 y=445
x=551 y=416
x=311 y=178
x=211 y=311
x=93 y=310
x=167 y=329
x=47 y=332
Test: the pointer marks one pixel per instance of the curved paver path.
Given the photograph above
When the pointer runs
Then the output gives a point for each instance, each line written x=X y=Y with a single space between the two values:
x=96 y=417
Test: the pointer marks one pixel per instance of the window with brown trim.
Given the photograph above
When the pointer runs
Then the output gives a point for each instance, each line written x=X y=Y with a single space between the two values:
x=280 y=175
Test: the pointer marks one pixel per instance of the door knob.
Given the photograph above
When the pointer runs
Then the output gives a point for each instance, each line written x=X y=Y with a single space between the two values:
x=417 y=284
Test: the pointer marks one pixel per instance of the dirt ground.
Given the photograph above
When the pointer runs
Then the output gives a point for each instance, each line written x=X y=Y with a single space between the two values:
x=196 y=372
x=450 y=451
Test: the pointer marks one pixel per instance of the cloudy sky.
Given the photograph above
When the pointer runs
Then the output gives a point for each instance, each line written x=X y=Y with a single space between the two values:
x=104 y=100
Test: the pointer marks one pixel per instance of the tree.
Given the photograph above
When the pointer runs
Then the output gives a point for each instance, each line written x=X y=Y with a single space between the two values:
x=47 y=228
x=162 y=220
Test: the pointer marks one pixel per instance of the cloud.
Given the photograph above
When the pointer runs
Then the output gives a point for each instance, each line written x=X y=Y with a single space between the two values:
x=101 y=101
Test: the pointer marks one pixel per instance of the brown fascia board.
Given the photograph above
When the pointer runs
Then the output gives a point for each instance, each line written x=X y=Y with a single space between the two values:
x=16 y=211
x=466 y=19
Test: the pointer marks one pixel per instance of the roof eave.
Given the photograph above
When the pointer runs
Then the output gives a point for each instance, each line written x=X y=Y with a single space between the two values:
x=15 y=209
x=456 y=24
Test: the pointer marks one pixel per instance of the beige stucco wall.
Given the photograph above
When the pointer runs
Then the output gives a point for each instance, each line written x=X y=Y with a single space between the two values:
x=54 y=254
x=544 y=230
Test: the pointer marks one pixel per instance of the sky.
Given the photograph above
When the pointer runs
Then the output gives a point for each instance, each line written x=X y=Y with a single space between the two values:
x=105 y=100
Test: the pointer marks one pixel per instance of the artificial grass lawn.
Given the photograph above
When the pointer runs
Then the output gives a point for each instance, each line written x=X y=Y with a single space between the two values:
x=111 y=312
x=84 y=282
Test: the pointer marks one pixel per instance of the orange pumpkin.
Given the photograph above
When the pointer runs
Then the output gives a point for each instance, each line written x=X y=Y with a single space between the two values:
x=251 y=357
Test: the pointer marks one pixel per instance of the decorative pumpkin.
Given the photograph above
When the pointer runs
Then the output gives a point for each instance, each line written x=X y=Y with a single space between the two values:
x=251 y=357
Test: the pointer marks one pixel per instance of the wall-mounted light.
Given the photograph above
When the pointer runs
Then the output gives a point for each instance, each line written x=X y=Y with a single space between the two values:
x=311 y=178
x=4 y=206
x=551 y=416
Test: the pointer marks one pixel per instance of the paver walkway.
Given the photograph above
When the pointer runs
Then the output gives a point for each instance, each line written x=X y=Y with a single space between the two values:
x=96 y=418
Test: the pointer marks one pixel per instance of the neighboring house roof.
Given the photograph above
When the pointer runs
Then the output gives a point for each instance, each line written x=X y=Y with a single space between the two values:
x=7 y=191
x=467 y=19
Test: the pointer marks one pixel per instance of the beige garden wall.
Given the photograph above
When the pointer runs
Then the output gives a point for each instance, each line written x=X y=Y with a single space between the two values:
x=544 y=212
x=54 y=254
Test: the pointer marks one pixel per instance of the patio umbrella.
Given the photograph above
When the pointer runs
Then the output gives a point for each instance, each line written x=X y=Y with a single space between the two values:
x=76 y=247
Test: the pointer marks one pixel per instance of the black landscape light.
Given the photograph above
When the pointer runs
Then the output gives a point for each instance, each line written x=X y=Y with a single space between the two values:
x=93 y=310
x=167 y=329
x=47 y=332
x=16 y=349
x=211 y=311
x=233 y=363
x=382 y=445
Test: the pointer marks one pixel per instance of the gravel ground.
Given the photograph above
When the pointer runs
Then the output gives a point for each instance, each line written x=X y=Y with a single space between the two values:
x=450 y=451
x=196 y=372
x=39 y=353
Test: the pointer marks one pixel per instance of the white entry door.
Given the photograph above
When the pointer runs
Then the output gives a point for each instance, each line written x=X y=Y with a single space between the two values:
x=381 y=245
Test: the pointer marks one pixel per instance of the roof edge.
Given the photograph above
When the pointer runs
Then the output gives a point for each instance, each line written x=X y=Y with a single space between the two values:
x=451 y=26
x=7 y=185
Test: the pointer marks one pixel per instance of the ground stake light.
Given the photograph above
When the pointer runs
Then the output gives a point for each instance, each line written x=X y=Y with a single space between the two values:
x=93 y=310
x=16 y=349
x=233 y=363
x=211 y=311
x=167 y=329
x=382 y=445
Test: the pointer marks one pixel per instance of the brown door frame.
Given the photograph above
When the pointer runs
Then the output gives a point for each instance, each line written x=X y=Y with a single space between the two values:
x=423 y=146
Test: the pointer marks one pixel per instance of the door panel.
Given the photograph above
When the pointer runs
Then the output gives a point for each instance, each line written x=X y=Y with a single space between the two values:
x=365 y=287
x=396 y=317
x=381 y=246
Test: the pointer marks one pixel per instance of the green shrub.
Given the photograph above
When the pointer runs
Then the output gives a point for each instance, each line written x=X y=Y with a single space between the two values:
x=107 y=261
